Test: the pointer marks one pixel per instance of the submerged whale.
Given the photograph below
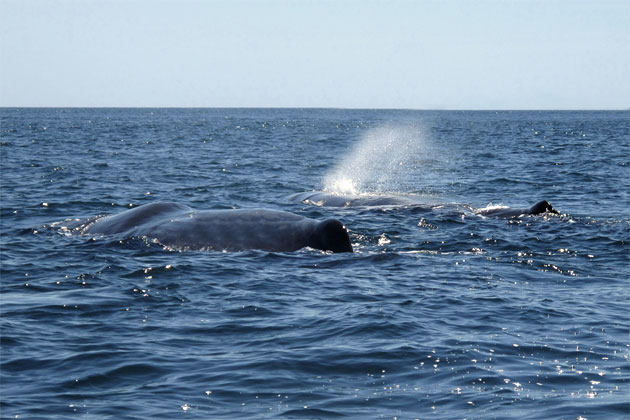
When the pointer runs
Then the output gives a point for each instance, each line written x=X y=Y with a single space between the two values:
x=321 y=198
x=324 y=199
x=179 y=226
x=538 y=208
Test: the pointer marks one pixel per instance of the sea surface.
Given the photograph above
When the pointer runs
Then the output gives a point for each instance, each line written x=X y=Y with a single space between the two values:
x=440 y=313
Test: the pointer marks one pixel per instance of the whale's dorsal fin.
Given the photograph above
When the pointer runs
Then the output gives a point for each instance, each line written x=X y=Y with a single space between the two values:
x=542 y=207
x=330 y=235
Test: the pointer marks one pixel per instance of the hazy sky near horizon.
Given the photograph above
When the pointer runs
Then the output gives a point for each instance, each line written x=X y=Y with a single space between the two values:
x=451 y=54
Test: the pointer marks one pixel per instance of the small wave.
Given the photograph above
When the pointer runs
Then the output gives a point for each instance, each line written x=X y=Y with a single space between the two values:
x=127 y=373
x=311 y=413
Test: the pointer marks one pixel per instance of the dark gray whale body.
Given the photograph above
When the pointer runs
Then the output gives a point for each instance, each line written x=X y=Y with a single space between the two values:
x=178 y=226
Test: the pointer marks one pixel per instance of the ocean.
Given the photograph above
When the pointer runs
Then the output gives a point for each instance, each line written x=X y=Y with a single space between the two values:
x=439 y=313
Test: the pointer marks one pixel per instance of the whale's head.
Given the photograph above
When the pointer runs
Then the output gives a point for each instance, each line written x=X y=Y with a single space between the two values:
x=330 y=235
x=542 y=207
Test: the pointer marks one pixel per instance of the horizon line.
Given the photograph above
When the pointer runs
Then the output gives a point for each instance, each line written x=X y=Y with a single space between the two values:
x=327 y=108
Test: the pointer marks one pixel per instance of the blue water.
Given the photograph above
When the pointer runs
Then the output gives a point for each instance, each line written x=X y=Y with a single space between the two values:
x=439 y=313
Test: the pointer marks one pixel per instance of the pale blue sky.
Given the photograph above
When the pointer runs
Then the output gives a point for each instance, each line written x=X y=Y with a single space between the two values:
x=450 y=54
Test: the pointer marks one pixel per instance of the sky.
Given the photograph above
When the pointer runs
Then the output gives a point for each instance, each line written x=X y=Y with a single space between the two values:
x=449 y=54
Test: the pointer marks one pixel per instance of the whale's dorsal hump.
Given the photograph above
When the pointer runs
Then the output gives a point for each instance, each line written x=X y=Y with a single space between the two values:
x=330 y=235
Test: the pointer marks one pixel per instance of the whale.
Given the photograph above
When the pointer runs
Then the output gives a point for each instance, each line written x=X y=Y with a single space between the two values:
x=326 y=199
x=178 y=226
x=506 y=212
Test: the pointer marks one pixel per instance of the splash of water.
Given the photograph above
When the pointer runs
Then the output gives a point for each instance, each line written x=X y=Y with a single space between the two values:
x=383 y=161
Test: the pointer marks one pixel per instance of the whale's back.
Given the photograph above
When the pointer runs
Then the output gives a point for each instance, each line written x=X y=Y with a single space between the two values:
x=127 y=221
